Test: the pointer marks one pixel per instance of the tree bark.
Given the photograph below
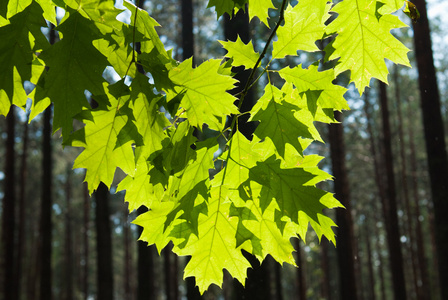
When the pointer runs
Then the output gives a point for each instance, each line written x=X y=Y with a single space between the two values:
x=324 y=265
x=68 y=245
x=393 y=234
x=85 y=242
x=434 y=138
x=145 y=269
x=127 y=257
x=10 y=288
x=381 y=190
x=21 y=240
x=187 y=29
x=405 y=188
x=105 y=277
x=170 y=268
x=46 y=210
x=278 y=281
x=345 y=234
x=301 y=278
x=423 y=266
x=371 y=279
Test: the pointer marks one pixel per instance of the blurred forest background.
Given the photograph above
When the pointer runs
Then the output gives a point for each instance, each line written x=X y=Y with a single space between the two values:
x=63 y=244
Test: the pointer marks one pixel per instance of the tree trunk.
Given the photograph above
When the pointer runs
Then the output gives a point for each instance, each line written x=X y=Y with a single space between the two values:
x=381 y=190
x=85 y=242
x=170 y=268
x=371 y=279
x=145 y=276
x=127 y=257
x=324 y=265
x=68 y=245
x=105 y=277
x=405 y=188
x=393 y=234
x=187 y=29
x=46 y=210
x=301 y=275
x=345 y=234
x=423 y=266
x=278 y=281
x=434 y=139
x=21 y=216
x=10 y=288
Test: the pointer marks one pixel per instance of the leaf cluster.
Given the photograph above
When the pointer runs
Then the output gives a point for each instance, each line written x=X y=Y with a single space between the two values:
x=215 y=197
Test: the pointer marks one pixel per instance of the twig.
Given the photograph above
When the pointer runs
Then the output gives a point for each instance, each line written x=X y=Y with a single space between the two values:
x=254 y=69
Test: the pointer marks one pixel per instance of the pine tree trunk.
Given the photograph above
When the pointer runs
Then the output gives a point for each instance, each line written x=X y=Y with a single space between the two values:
x=423 y=266
x=10 y=288
x=105 y=277
x=145 y=268
x=345 y=234
x=46 y=210
x=324 y=265
x=21 y=258
x=434 y=139
x=381 y=190
x=278 y=281
x=405 y=188
x=170 y=268
x=187 y=29
x=301 y=275
x=393 y=234
x=371 y=279
x=127 y=257
x=68 y=245
x=85 y=243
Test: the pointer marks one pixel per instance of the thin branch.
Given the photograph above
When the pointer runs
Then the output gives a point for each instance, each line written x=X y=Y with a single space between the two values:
x=254 y=69
x=133 y=60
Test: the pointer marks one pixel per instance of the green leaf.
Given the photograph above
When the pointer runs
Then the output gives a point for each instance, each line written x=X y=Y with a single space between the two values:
x=279 y=121
x=145 y=25
x=310 y=79
x=260 y=9
x=151 y=123
x=49 y=9
x=153 y=224
x=16 y=6
x=19 y=40
x=102 y=13
x=75 y=65
x=101 y=155
x=240 y=157
x=215 y=247
x=242 y=54
x=205 y=98
x=364 y=40
x=222 y=6
x=295 y=194
x=304 y=25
